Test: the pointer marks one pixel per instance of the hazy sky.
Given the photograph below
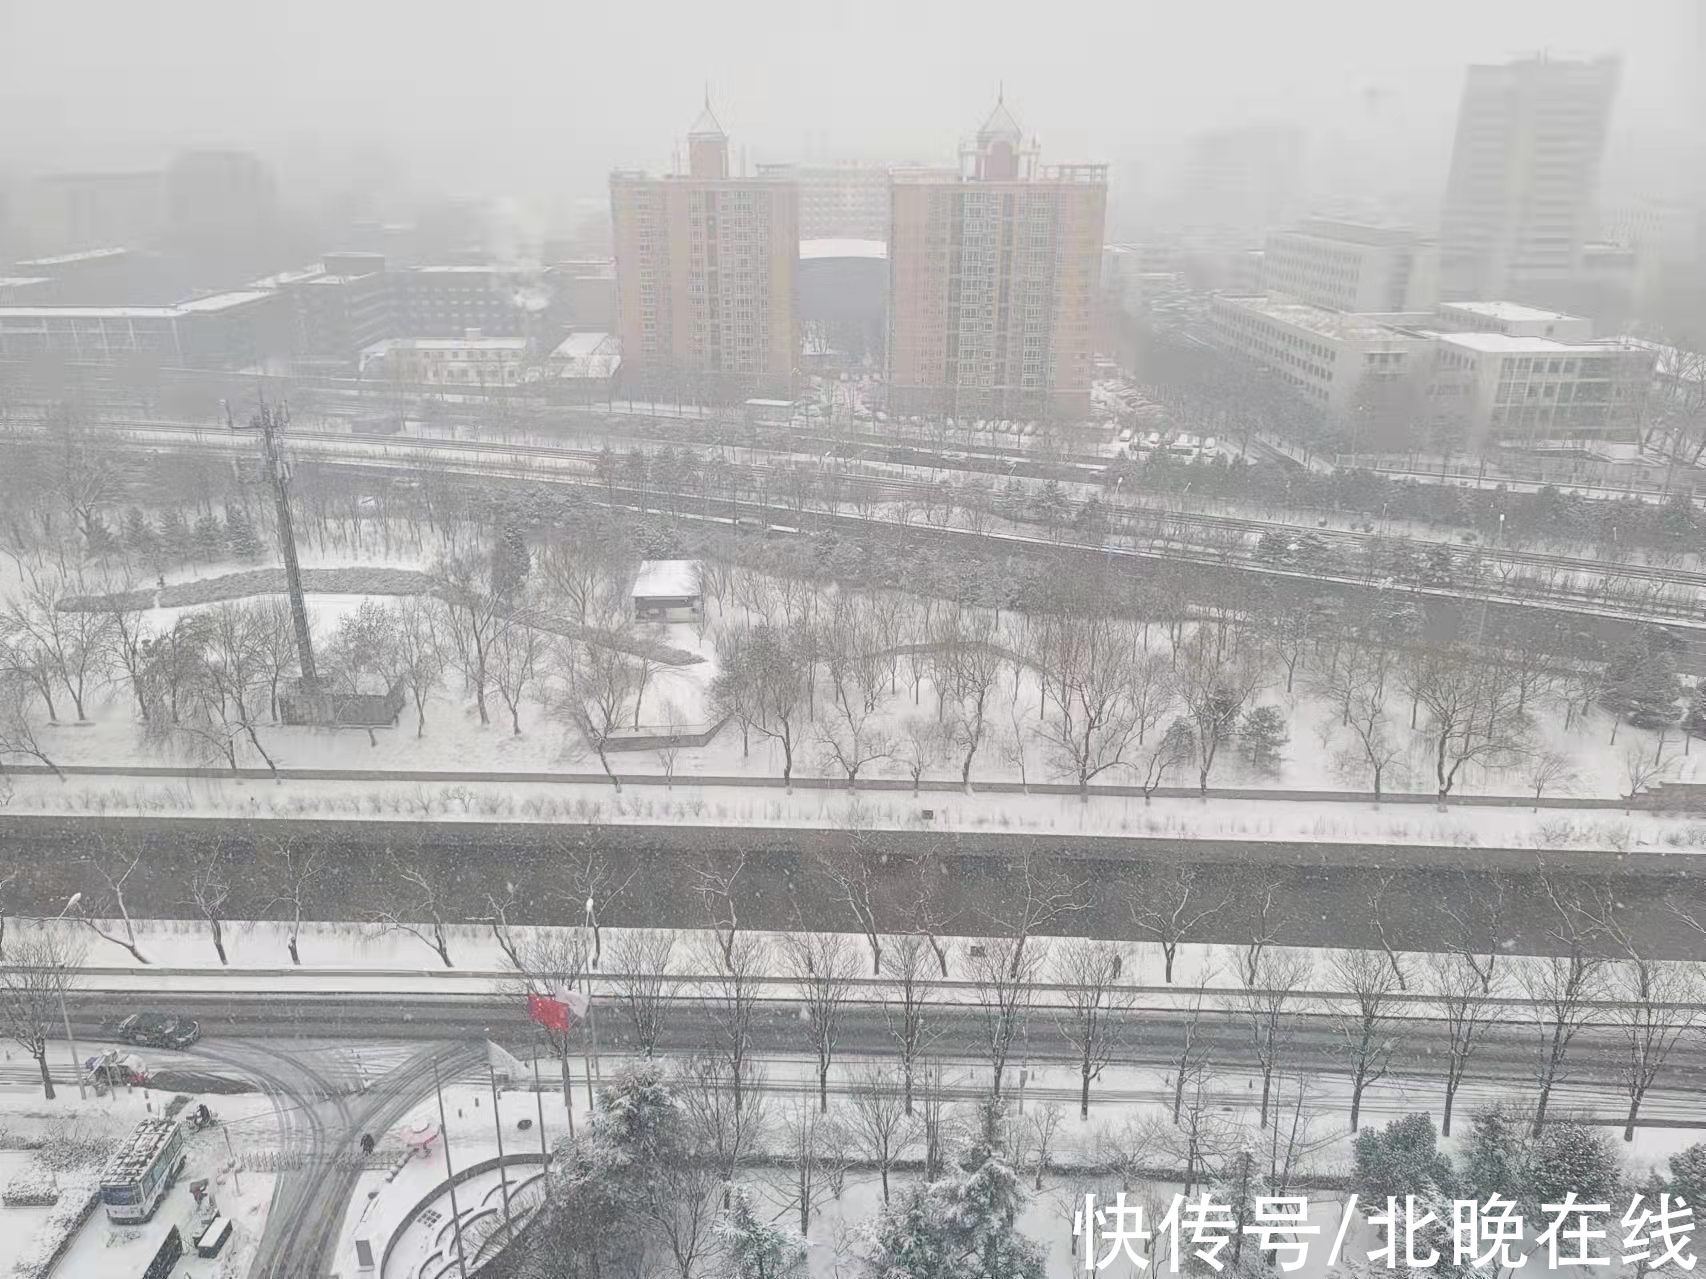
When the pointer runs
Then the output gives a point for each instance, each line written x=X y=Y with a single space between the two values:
x=547 y=96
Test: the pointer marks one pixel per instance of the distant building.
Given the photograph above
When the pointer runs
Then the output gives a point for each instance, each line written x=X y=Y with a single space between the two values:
x=706 y=270
x=241 y=330
x=448 y=300
x=1520 y=195
x=667 y=591
x=1351 y=266
x=67 y=212
x=843 y=295
x=222 y=215
x=583 y=368
x=583 y=293
x=1239 y=184
x=1499 y=369
x=339 y=308
x=473 y=361
x=838 y=201
x=1329 y=357
x=993 y=274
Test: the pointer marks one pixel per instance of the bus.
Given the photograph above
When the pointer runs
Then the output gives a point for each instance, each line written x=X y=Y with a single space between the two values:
x=138 y=1176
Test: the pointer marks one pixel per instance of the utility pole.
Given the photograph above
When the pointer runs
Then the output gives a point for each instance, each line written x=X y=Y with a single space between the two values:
x=271 y=423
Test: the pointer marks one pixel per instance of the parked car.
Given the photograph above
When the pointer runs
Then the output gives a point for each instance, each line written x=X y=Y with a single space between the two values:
x=158 y=1030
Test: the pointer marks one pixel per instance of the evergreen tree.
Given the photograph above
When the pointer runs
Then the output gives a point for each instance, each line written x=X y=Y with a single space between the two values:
x=240 y=534
x=1640 y=682
x=1688 y=1176
x=964 y=1226
x=1262 y=737
x=175 y=536
x=1401 y=1159
x=207 y=543
x=140 y=539
x=757 y=1249
x=1493 y=1158
x=1572 y=1156
x=511 y=562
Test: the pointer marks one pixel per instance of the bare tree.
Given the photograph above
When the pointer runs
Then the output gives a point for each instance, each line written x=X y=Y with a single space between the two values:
x=1640 y=770
x=1378 y=751
x=1097 y=1003
x=1215 y=685
x=1089 y=660
x=43 y=967
x=1045 y=895
x=112 y=865
x=17 y=729
x=1377 y=919
x=715 y=882
x=970 y=665
x=1175 y=748
x=1658 y=1002
x=598 y=682
x=420 y=645
x=1170 y=905
x=641 y=959
x=1548 y=770
x=1563 y=988
x=929 y=918
x=852 y=737
x=1262 y=926
x=291 y=866
x=879 y=1120
x=731 y=993
x=907 y=1008
x=516 y=653
x=1271 y=984
x=473 y=615
x=1003 y=974
x=1466 y=990
x=854 y=872
x=1190 y=1065
x=1041 y=1131
x=811 y=1148
x=933 y=1115
x=418 y=896
x=1365 y=1024
x=209 y=890
x=72 y=645
x=763 y=678
x=1472 y=711
x=822 y=967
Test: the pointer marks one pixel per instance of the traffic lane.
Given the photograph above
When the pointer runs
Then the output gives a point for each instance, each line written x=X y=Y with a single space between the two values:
x=1507 y=1050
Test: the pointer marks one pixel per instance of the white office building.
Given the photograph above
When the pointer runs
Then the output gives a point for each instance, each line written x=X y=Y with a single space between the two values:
x=1351 y=266
x=1521 y=194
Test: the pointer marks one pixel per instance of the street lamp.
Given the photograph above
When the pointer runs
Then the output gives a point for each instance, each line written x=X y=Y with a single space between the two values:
x=64 y=1016
x=590 y=923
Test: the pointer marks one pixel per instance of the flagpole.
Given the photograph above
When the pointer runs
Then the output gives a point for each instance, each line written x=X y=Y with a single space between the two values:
x=450 y=1173
x=539 y=1101
x=498 y=1127
x=568 y=1082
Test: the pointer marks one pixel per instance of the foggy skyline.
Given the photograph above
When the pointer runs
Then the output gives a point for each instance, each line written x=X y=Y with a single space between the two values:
x=547 y=101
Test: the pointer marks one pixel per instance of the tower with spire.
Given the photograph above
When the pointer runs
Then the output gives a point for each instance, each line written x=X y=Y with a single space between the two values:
x=993 y=270
x=707 y=145
x=706 y=264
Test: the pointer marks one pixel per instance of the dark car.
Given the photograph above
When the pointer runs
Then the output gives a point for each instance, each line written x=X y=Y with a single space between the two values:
x=156 y=1030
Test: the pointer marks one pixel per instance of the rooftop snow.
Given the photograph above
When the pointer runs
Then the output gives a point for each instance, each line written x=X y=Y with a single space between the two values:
x=62 y=259
x=1507 y=344
x=1508 y=312
x=667 y=579
x=1338 y=326
x=838 y=248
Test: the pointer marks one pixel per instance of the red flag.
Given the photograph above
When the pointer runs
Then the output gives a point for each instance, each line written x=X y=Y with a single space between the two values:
x=553 y=1014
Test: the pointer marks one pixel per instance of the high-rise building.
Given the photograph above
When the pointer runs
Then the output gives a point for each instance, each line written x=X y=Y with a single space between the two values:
x=1351 y=266
x=705 y=269
x=838 y=201
x=1520 y=196
x=1239 y=184
x=993 y=273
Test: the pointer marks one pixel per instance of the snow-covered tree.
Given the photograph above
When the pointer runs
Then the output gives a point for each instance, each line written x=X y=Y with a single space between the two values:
x=756 y=1249
x=964 y=1226
x=1401 y=1159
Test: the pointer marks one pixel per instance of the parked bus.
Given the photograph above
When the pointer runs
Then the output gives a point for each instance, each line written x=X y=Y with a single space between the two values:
x=137 y=1178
